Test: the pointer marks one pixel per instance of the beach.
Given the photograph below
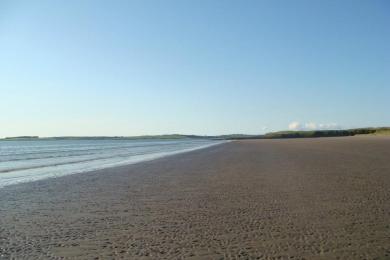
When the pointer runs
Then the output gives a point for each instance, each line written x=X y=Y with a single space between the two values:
x=312 y=198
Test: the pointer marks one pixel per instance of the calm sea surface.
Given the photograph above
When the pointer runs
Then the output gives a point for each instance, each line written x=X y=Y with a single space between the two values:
x=24 y=161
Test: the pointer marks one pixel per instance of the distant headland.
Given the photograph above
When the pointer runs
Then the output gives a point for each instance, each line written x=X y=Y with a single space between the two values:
x=271 y=135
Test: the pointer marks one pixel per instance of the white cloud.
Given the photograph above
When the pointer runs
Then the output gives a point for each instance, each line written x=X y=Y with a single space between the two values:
x=295 y=126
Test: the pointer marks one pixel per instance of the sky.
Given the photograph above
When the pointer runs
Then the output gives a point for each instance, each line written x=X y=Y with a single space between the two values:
x=192 y=67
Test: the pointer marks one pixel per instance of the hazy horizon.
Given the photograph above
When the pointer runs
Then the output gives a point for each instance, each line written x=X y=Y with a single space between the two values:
x=130 y=68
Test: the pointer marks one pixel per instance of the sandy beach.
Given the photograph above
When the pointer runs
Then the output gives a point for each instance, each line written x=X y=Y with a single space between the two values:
x=326 y=198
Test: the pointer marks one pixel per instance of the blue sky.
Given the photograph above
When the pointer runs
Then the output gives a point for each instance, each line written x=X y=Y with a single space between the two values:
x=201 y=67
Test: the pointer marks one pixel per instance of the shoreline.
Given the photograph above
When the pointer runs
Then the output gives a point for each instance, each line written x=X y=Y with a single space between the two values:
x=304 y=198
x=130 y=161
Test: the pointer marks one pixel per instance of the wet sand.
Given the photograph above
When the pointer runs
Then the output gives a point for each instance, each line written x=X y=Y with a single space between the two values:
x=325 y=198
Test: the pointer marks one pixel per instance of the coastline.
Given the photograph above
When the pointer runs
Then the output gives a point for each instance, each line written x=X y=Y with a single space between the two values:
x=303 y=198
x=24 y=175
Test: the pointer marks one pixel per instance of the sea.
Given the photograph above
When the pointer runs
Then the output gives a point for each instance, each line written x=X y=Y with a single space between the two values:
x=32 y=160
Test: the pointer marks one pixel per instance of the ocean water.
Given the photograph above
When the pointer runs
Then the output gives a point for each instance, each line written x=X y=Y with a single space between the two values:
x=31 y=160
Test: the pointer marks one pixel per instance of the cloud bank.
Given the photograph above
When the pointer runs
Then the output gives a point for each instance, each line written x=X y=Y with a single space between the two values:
x=295 y=126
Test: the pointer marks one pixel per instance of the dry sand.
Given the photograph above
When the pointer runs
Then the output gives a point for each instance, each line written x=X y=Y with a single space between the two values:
x=325 y=198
